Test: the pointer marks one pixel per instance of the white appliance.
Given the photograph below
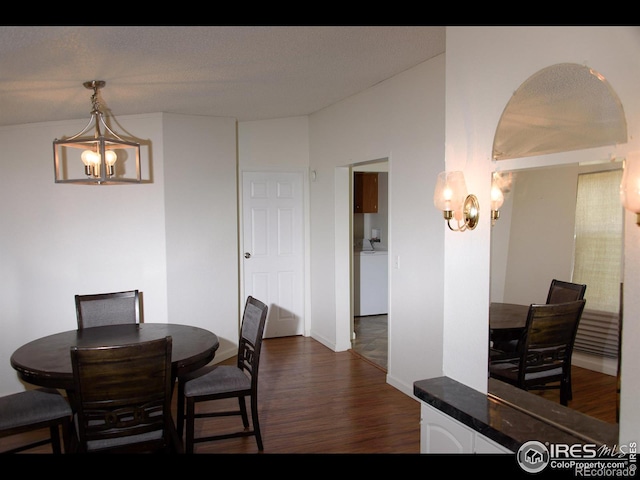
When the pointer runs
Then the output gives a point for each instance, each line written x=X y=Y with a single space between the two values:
x=370 y=296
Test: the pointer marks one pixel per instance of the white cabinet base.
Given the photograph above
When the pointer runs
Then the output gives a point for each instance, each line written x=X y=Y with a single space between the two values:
x=440 y=433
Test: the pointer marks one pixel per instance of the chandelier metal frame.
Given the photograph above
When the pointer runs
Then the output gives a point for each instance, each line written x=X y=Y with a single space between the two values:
x=68 y=151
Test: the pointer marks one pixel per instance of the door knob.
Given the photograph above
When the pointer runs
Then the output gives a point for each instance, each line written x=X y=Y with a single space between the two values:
x=247 y=255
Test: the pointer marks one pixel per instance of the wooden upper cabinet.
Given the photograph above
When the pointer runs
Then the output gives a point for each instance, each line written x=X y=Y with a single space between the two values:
x=365 y=192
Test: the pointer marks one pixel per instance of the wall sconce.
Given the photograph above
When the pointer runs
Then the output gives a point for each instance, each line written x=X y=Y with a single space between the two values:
x=497 y=197
x=630 y=184
x=97 y=152
x=451 y=197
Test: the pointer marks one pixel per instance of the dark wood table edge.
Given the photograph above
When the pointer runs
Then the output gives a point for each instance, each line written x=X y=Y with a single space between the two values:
x=64 y=381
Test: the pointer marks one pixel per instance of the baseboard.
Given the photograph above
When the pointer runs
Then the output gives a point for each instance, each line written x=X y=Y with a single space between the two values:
x=608 y=366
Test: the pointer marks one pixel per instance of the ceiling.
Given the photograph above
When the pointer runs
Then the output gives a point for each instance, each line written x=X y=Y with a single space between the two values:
x=246 y=72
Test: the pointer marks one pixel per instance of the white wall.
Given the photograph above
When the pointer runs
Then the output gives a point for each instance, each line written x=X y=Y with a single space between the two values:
x=200 y=185
x=58 y=240
x=278 y=143
x=485 y=65
x=400 y=119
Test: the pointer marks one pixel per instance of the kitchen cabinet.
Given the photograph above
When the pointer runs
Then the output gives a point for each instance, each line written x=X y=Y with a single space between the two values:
x=365 y=192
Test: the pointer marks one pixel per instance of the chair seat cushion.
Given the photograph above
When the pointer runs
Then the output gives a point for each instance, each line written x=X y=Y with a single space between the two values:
x=219 y=379
x=32 y=406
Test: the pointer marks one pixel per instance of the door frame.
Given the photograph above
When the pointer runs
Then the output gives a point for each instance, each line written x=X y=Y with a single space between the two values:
x=344 y=249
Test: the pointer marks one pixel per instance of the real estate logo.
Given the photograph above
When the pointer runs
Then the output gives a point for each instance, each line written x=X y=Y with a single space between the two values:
x=533 y=457
x=585 y=460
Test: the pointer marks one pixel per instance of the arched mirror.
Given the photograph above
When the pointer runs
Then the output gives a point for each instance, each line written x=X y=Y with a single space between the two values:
x=561 y=108
x=538 y=237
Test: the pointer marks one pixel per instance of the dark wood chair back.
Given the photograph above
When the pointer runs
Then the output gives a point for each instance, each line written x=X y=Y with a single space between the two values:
x=122 y=397
x=545 y=350
x=251 y=333
x=215 y=382
x=101 y=309
x=562 y=292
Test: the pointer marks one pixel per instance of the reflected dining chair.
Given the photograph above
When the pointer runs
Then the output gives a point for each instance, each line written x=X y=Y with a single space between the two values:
x=215 y=382
x=107 y=308
x=544 y=351
x=33 y=410
x=559 y=292
x=122 y=396
x=562 y=292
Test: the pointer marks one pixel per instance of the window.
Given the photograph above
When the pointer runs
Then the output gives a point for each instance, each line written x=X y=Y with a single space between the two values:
x=598 y=259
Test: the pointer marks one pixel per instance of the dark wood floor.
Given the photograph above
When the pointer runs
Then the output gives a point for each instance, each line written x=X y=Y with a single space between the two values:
x=314 y=400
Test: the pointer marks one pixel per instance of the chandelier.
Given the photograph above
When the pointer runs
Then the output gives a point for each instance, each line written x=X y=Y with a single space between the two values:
x=102 y=156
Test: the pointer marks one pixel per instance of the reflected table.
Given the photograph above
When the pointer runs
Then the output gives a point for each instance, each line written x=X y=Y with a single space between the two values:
x=505 y=316
x=507 y=321
x=47 y=361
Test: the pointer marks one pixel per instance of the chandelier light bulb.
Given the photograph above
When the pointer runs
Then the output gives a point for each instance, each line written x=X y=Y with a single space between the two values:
x=110 y=157
x=90 y=158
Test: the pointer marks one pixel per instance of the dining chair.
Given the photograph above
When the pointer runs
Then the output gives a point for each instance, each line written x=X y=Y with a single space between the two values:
x=33 y=410
x=562 y=292
x=545 y=350
x=107 y=308
x=215 y=382
x=122 y=398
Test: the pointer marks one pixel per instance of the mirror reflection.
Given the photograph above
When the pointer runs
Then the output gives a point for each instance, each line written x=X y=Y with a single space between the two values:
x=564 y=223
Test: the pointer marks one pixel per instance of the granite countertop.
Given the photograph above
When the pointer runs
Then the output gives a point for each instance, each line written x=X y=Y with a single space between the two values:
x=511 y=416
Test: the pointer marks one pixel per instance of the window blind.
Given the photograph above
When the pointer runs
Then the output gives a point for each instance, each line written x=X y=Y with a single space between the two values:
x=598 y=260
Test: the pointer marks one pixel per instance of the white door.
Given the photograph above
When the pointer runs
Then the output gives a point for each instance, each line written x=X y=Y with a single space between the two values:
x=272 y=206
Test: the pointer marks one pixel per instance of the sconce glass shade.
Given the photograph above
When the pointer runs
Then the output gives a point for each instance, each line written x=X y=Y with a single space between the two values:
x=630 y=184
x=450 y=196
x=101 y=156
x=450 y=193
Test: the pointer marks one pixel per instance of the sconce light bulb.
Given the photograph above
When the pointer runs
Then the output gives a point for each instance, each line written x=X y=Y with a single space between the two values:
x=497 y=197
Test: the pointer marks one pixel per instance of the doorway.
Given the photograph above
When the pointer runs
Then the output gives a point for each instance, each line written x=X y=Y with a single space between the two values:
x=369 y=245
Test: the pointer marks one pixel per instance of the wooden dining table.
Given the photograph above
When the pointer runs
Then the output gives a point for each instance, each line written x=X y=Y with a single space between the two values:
x=46 y=361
